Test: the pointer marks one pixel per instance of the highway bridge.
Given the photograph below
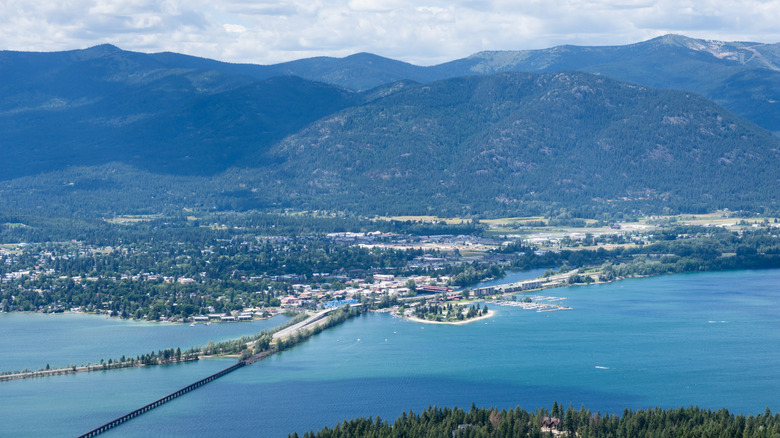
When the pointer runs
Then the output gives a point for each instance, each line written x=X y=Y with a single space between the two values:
x=309 y=322
x=111 y=424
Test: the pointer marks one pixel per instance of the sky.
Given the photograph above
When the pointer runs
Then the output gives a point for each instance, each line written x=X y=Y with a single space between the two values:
x=420 y=32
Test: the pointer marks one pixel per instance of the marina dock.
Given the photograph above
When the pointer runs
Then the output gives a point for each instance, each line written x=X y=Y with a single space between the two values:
x=537 y=303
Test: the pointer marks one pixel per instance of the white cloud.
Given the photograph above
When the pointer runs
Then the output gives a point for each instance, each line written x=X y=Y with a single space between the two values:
x=426 y=32
x=234 y=28
x=377 y=5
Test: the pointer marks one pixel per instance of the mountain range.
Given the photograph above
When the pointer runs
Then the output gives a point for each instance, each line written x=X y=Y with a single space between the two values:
x=593 y=129
x=742 y=76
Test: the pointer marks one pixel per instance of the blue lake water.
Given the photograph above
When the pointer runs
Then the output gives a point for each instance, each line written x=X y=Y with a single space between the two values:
x=32 y=340
x=708 y=339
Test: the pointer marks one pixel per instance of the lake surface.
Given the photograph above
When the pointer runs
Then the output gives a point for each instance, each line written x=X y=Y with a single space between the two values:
x=32 y=340
x=707 y=339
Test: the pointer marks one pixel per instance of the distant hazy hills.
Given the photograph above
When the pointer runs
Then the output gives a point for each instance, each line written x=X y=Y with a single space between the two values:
x=103 y=129
x=742 y=76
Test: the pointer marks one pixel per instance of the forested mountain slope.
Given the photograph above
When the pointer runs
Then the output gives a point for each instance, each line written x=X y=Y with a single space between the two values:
x=516 y=140
x=104 y=130
x=105 y=105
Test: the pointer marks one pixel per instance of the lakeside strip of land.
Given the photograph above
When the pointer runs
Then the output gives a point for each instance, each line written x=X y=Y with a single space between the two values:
x=249 y=349
x=221 y=349
x=83 y=369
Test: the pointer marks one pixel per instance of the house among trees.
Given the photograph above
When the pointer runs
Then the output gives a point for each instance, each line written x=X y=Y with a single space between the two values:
x=550 y=423
x=461 y=428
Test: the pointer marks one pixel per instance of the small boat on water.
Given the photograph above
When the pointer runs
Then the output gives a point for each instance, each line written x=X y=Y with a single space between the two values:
x=193 y=324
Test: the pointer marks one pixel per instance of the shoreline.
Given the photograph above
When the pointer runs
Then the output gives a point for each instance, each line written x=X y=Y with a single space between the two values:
x=490 y=313
x=119 y=318
x=88 y=369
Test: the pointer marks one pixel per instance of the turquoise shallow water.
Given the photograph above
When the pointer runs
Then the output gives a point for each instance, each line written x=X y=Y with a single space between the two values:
x=708 y=339
x=32 y=340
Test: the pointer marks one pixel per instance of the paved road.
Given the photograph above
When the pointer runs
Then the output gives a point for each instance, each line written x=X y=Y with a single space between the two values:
x=281 y=334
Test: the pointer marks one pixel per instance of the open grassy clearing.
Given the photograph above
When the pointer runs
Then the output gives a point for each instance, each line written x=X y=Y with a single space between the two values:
x=715 y=218
x=606 y=246
x=424 y=219
x=15 y=225
x=513 y=220
x=129 y=218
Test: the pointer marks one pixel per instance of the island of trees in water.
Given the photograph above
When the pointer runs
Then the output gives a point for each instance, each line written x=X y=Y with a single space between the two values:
x=691 y=422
